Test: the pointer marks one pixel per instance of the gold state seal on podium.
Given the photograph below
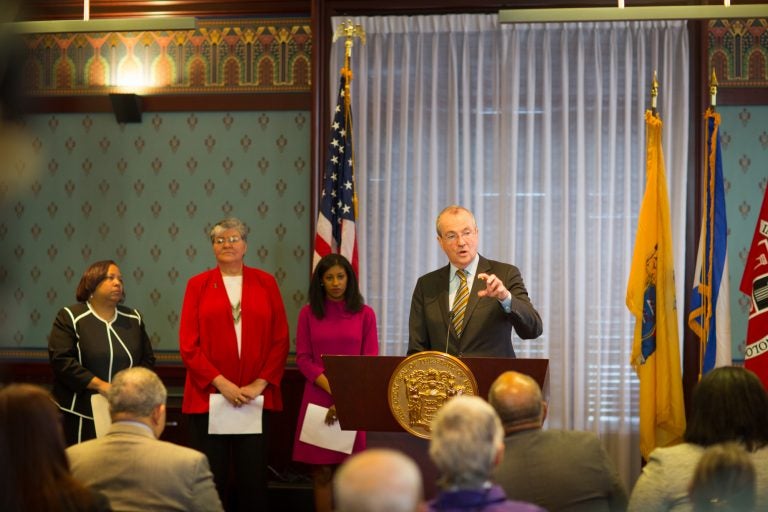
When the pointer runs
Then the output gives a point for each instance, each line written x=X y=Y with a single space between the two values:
x=422 y=383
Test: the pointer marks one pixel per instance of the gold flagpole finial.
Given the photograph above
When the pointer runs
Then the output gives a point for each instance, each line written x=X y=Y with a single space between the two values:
x=349 y=31
x=713 y=89
x=654 y=92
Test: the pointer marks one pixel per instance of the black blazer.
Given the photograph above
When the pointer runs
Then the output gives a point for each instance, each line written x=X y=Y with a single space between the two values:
x=487 y=327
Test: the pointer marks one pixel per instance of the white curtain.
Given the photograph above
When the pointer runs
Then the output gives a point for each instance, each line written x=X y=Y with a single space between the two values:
x=539 y=130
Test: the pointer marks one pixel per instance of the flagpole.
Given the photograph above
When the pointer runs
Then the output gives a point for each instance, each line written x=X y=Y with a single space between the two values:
x=654 y=93
x=711 y=221
x=708 y=196
x=349 y=31
x=338 y=208
x=651 y=299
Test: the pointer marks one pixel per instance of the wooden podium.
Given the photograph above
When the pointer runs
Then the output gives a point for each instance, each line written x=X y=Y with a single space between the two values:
x=360 y=391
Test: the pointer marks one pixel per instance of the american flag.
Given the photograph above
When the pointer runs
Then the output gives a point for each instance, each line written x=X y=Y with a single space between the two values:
x=335 y=230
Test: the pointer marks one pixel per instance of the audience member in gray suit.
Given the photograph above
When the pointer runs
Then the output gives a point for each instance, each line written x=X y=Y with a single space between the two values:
x=556 y=469
x=131 y=466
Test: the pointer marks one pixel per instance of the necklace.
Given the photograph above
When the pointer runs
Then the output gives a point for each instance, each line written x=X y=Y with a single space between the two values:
x=236 y=312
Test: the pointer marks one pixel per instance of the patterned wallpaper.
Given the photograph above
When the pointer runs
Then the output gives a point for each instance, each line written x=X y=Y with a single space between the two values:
x=83 y=188
x=738 y=52
x=219 y=56
x=744 y=140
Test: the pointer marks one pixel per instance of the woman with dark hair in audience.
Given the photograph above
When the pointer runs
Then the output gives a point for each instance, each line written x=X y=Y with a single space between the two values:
x=724 y=480
x=729 y=404
x=90 y=342
x=34 y=471
x=336 y=321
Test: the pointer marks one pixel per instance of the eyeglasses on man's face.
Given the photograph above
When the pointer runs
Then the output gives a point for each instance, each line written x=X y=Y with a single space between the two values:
x=452 y=236
x=220 y=240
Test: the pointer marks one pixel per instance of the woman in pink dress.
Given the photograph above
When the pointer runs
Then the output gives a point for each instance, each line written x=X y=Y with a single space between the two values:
x=336 y=321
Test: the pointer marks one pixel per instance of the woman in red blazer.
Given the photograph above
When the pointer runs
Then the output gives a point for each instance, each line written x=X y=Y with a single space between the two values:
x=234 y=341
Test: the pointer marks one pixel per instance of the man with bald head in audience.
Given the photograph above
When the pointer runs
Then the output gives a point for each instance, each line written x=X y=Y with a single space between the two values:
x=378 y=480
x=557 y=469
x=130 y=464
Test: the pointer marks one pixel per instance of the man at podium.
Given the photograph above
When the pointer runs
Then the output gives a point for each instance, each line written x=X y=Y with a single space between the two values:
x=470 y=306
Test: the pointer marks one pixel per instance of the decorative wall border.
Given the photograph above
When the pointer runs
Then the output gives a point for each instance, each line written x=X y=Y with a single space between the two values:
x=222 y=56
x=738 y=52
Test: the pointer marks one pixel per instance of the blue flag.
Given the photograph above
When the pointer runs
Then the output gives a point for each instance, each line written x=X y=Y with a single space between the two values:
x=710 y=316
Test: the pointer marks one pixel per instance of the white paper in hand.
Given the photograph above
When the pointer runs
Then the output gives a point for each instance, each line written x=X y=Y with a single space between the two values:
x=315 y=431
x=101 y=418
x=225 y=418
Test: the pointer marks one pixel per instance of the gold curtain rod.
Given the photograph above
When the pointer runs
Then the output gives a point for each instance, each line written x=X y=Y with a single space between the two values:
x=138 y=24
x=666 y=12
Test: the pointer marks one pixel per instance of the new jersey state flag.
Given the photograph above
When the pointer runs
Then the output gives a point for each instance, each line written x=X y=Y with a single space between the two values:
x=754 y=283
x=651 y=299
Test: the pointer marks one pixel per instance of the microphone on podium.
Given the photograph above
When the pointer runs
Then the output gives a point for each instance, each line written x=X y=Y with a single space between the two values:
x=448 y=332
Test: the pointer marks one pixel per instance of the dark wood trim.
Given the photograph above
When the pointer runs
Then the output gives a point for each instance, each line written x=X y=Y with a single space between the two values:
x=37 y=357
x=742 y=96
x=698 y=101
x=73 y=9
x=321 y=40
x=37 y=370
x=177 y=102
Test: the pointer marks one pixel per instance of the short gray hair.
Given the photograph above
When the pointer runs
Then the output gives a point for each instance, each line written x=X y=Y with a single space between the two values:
x=136 y=391
x=229 y=223
x=378 y=480
x=466 y=437
x=452 y=209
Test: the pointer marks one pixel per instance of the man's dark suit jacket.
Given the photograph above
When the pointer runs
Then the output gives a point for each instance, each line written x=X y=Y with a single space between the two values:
x=487 y=328
x=560 y=470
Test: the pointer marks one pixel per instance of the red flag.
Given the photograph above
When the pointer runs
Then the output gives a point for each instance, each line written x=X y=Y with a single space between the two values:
x=755 y=284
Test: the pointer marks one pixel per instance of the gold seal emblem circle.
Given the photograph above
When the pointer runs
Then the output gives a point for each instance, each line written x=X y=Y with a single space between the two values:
x=421 y=384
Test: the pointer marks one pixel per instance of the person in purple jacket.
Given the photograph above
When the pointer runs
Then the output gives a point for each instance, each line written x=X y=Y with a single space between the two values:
x=467 y=443
x=336 y=321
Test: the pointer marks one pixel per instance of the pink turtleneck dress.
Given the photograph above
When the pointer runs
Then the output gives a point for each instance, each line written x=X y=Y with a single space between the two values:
x=339 y=332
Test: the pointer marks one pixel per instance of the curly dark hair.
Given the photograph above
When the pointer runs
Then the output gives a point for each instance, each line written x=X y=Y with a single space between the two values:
x=729 y=404
x=353 y=300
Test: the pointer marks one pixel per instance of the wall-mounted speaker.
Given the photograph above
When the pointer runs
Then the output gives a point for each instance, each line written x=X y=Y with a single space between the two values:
x=127 y=107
